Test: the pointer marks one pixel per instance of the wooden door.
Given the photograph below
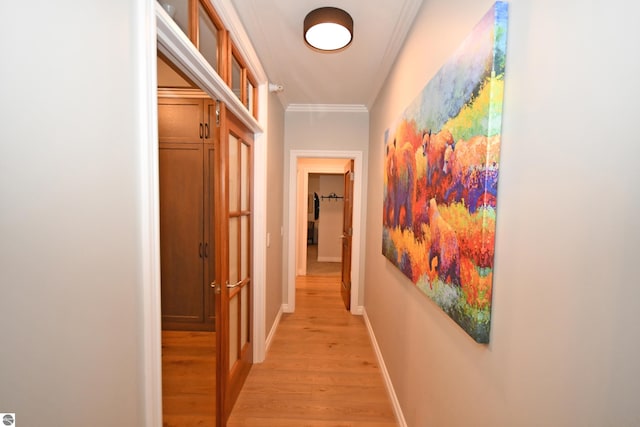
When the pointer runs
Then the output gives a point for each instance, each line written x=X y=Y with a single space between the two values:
x=235 y=335
x=347 y=233
x=210 y=231
x=211 y=138
x=186 y=215
x=180 y=120
x=181 y=229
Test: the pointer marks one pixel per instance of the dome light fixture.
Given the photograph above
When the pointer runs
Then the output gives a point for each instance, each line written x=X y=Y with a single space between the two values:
x=328 y=29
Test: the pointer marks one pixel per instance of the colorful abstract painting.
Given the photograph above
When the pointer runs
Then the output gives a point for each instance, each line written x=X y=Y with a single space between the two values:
x=441 y=179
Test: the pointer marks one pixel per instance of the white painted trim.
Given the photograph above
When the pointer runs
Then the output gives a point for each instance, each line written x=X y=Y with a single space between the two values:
x=356 y=285
x=395 y=403
x=274 y=327
x=328 y=108
x=149 y=212
x=329 y=259
x=260 y=229
x=302 y=191
x=398 y=35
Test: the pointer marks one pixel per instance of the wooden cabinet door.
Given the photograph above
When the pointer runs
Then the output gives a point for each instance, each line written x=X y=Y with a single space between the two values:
x=187 y=159
x=210 y=217
x=180 y=120
x=182 y=249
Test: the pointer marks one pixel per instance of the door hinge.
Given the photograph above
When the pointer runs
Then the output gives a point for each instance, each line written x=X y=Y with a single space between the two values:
x=351 y=176
x=217 y=113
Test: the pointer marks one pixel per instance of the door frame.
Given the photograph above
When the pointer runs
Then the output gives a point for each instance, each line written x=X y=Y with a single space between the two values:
x=158 y=31
x=347 y=233
x=293 y=236
x=302 y=211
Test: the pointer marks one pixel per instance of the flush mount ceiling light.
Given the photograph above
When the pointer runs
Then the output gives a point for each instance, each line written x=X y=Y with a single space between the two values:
x=328 y=29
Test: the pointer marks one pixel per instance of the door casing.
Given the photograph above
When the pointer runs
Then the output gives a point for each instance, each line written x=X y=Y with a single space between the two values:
x=293 y=236
x=158 y=33
x=347 y=231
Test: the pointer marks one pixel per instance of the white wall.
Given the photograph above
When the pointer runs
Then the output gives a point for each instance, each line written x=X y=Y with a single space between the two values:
x=331 y=219
x=71 y=256
x=565 y=338
x=324 y=131
x=275 y=177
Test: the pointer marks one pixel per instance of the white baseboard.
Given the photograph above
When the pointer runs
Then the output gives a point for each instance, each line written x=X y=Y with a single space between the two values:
x=329 y=259
x=274 y=327
x=385 y=373
x=358 y=310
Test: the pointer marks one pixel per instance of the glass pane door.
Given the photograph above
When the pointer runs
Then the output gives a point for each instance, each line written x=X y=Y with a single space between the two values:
x=239 y=247
x=237 y=294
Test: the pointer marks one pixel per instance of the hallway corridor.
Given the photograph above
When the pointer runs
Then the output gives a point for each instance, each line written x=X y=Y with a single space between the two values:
x=321 y=369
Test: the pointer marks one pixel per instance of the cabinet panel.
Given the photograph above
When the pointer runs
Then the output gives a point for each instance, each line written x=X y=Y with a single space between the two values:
x=181 y=231
x=187 y=159
x=210 y=229
x=180 y=120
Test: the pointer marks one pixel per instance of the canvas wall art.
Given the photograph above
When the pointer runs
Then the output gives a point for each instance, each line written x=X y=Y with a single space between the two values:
x=441 y=179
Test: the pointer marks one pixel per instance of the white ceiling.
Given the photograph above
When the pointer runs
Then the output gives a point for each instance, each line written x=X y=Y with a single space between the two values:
x=351 y=77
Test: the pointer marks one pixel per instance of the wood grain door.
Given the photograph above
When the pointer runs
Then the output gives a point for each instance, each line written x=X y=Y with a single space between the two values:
x=235 y=336
x=347 y=233
x=211 y=265
x=181 y=230
x=180 y=120
x=211 y=138
x=187 y=232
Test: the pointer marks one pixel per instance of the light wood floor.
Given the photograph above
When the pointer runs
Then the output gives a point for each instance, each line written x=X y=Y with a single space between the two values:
x=321 y=369
x=188 y=378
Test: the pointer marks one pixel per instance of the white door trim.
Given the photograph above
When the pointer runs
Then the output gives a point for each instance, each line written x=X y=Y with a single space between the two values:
x=149 y=214
x=293 y=236
x=160 y=32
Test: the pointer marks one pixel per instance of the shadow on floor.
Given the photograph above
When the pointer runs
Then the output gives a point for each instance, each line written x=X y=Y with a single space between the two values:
x=316 y=268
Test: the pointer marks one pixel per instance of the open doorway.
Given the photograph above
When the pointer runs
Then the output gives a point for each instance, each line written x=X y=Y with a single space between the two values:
x=330 y=169
x=240 y=128
x=302 y=165
x=325 y=206
x=187 y=247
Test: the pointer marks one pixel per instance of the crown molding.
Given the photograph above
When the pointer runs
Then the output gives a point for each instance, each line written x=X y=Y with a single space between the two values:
x=327 y=108
x=396 y=40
